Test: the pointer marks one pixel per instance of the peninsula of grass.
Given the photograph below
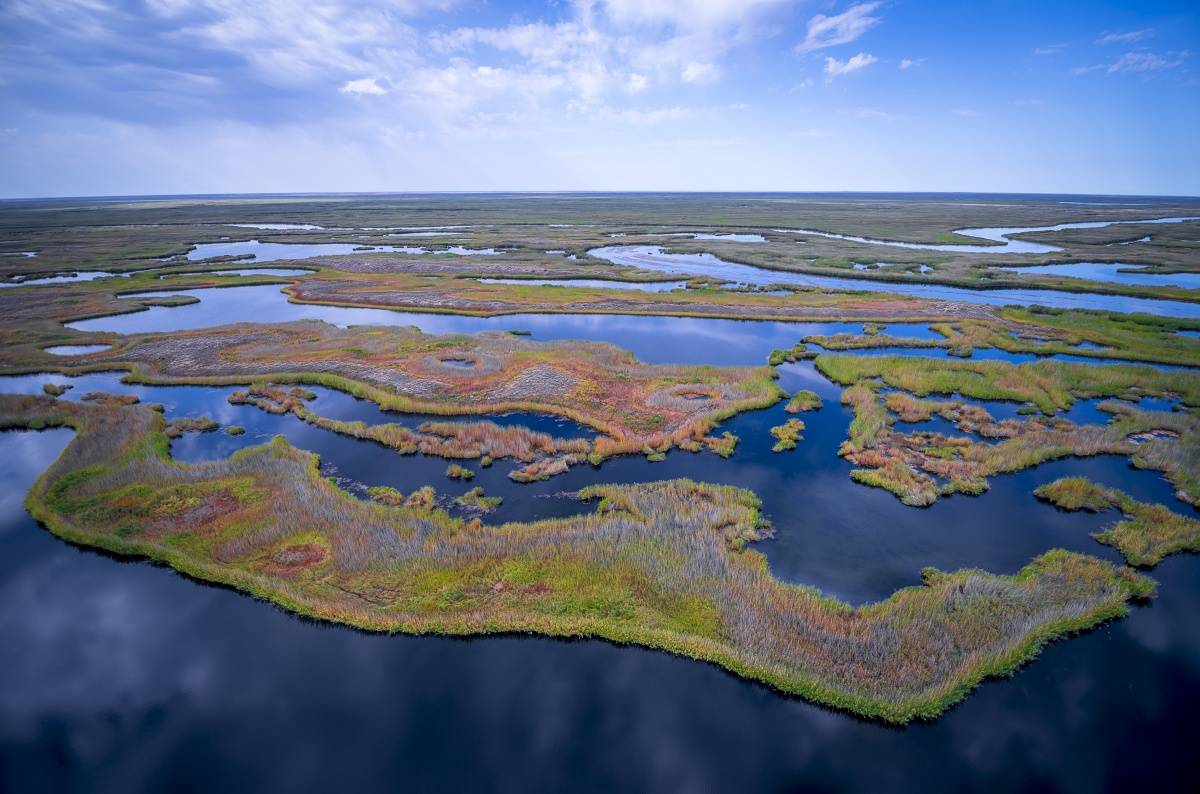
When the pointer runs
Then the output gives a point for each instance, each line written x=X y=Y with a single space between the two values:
x=634 y=405
x=1148 y=531
x=662 y=564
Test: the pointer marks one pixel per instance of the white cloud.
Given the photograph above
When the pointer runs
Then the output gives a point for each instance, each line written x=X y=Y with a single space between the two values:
x=1134 y=63
x=873 y=114
x=908 y=63
x=696 y=72
x=835 y=68
x=844 y=28
x=636 y=83
x=365 y=86
x=1133 y=35
x=687 y=15
x=1141 y=62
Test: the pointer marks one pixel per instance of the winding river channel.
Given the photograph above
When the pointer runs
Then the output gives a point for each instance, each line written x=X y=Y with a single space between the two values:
x=112 y=667
x=1001 y=236
x=651 y=257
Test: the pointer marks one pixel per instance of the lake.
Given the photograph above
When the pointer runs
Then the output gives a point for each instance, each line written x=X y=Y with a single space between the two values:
x=114 y=667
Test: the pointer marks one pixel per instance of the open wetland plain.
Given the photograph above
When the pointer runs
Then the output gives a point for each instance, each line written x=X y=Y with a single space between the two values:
x=641 y=491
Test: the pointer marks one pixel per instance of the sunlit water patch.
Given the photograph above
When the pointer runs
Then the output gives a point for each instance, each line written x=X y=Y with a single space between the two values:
x=597 y=283
x=1114 y=272
x=83 y=275
x=1002 y=235
x=649 y=257
x=306 y=227
x=75 y=350
x=270 y=252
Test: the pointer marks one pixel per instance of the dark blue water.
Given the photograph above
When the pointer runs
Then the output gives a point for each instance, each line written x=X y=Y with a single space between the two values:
x=124 y=676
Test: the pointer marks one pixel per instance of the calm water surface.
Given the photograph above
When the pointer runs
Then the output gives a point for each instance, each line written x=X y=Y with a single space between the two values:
x=1002 y=235
x=650 y=257
x=125 y=676
x=1137 y=275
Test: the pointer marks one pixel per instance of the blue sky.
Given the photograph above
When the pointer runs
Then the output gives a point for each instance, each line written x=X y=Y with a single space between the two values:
x=100 y=97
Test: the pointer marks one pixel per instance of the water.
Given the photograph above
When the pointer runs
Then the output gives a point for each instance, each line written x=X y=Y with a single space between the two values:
x=461 y=251
x=728 y=237
x=1115 y=272
x=649 y=257
x=265 y=271
x=75 y=350
x=85 y=275
x=307 y=227
x=125 y=676
x=658 y=340
x=999 y=234
x=597 y=283
x=270 y=252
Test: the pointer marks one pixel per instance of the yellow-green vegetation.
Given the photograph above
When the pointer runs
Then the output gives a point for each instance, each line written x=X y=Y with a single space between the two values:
x=659 y=564
x=235 y=430
x=796 y=352
x=456 y=472
x=921 y=466
x=386 y=494
x=475 y=499
x=1148 y=532
x=787 y=434
x=1050 y=385
x=55 y=389
x=802 y=401
x=177 y=427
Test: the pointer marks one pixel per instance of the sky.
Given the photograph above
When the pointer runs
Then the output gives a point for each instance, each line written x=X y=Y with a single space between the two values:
x=149 y=97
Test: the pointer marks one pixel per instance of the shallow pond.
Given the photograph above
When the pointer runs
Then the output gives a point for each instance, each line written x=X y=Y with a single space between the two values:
x=307 y=227
x=125 y=676
x=75 y=350
x=1117 y=273
x=649 y=257
x=1003 y=235
x=83 y=275
x=270 y=252
x=596 y=283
